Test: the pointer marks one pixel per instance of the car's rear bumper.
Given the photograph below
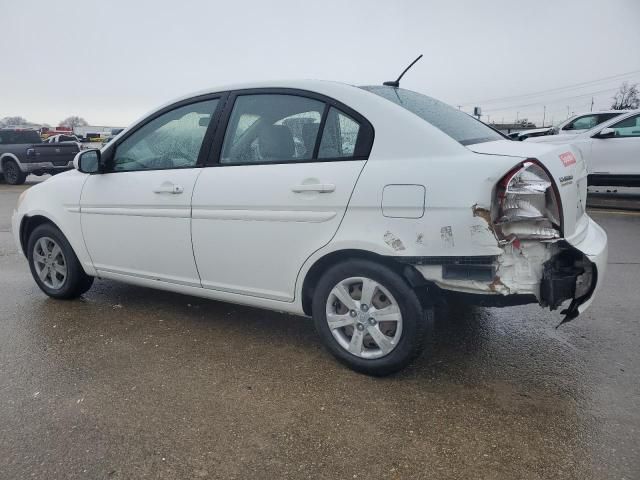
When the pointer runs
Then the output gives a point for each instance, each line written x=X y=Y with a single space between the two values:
x=594 y=245
x=569 y=269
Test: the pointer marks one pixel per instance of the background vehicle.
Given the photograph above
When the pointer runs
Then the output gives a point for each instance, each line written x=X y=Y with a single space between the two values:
x=612 y=150
x=534 y=132
x=62 y=138
x=356 y=206
x=572 y=126
x=22 y=152
x=586 y=121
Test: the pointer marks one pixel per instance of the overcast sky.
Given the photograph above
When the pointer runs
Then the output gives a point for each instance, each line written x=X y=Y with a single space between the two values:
x=112 y=61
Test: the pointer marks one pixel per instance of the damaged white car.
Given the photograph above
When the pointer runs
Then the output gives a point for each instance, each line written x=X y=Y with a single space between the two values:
x=359 y=206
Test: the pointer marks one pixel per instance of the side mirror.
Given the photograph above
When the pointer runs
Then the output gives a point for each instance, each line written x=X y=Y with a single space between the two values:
x=87 y=161
x=606 y=133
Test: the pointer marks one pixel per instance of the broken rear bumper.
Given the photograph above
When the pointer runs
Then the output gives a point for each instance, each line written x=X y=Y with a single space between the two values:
x=594 y=246
x=550 y=273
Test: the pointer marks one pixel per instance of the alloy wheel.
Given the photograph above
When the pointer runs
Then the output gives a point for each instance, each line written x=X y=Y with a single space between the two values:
x=50 y=263
x=364 y=318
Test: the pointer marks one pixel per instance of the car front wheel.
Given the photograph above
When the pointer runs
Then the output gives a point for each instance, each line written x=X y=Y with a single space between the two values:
x=54 y=265
x=369 y=318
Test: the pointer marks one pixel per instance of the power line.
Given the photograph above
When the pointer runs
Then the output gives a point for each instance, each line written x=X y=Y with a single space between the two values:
x=542 y=92
x=551 y=101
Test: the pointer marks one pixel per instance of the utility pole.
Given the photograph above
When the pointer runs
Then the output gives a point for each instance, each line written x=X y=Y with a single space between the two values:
x=459 y=107
x=544 y=114
x=591 y=105
x=567 y=111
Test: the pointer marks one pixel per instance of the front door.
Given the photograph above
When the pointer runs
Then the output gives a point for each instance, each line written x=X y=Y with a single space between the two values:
x=136 y=217
x=618 y=155
x=278 y=190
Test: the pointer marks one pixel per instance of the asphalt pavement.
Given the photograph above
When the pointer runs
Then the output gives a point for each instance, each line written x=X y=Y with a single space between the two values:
x=132 y=383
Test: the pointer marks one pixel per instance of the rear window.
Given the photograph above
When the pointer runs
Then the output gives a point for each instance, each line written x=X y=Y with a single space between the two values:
x=458 y=125
x=19 y=136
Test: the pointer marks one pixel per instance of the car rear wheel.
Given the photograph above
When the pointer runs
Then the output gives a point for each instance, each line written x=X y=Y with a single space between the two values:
x=369 y=318
x=54 y=265
x=12 y=173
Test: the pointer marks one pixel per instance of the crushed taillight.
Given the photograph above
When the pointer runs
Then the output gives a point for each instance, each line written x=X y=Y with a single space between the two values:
x=528 y=206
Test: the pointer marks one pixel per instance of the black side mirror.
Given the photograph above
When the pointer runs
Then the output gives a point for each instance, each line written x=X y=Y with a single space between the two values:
x=605 y=133
x=88 y=161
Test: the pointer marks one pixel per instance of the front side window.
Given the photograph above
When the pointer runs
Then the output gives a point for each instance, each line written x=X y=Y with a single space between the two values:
x=172 y=140
x=583 y=123
x=271 y=128
x=463 y=128
x=629 y=127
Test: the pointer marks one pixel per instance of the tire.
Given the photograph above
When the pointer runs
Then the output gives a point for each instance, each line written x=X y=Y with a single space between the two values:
x=12 y=173
x=389 y=289
x=43 y=240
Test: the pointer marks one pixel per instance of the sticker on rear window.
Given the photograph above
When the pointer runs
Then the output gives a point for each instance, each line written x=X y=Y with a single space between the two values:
x=567 y=158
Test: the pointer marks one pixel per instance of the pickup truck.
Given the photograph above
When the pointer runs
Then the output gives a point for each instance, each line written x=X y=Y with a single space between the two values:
x=22 y=152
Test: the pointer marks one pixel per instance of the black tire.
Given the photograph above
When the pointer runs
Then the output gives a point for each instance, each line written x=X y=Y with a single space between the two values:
x=76 y=281
x=416 y=319
x=12 y=173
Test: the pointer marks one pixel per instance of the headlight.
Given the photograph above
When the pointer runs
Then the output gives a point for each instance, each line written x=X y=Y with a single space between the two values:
x=527 y=204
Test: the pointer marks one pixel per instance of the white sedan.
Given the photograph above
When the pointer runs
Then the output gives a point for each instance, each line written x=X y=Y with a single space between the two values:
x=359 y=206
x=612 y=150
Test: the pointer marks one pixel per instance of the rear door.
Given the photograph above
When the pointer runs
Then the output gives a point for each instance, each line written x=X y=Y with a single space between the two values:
x=280 y=179
x=136 y=217
x=618 y=155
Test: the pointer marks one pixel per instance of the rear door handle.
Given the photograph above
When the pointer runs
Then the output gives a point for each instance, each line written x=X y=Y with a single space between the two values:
x=314 y=187
x=169 y=187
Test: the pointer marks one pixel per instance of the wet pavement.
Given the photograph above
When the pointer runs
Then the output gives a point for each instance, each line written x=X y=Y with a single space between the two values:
x=129 y=383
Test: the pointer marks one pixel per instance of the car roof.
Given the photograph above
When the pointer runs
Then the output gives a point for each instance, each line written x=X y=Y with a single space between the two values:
x=597 y=112
x=378 y=110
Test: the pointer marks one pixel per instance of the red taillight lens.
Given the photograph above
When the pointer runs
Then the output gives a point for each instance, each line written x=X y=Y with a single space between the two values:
x=528 y=206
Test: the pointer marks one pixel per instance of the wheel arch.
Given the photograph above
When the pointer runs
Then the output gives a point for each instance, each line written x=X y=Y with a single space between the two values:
x=322 y=264
x=8 y=156
x=29 y=224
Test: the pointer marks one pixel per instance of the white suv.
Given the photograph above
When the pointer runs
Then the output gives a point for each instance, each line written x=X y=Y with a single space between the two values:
x=357 y=206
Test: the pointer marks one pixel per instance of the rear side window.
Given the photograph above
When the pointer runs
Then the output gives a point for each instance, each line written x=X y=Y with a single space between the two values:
x=272 y=128
x=603 y=117
x=339 y=136
x=20 y=137
x=458 y=125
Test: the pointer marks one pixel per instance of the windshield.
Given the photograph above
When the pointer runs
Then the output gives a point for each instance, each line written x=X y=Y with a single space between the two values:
x=458 y=125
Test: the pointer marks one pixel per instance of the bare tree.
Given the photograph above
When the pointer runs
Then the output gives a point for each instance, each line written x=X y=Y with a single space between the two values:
x=11 y=121
x=73 y=122
x=627 y=97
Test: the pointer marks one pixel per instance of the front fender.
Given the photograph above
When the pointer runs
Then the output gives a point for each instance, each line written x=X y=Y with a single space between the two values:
x=58 y=201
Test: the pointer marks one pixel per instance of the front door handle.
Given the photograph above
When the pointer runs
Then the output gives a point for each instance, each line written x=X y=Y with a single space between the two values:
x=169 y=187
x=314 y=187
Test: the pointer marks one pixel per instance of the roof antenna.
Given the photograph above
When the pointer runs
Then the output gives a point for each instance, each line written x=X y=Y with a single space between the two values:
x=396 y=83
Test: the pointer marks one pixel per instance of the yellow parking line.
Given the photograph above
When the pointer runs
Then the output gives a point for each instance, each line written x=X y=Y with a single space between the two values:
x=616 y=212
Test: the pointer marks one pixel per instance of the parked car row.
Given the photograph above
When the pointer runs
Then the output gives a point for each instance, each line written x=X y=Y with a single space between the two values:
x=572 y=126
x=358 y=206
x=611 y=149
